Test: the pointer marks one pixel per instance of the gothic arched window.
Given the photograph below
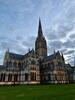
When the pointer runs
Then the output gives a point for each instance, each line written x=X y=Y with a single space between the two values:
x=26 y=76
x=15 y=77
x=15 y=64
x=10 y=77
x=2 y=78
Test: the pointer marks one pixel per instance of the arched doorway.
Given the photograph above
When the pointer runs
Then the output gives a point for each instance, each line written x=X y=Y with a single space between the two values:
x=9 y=77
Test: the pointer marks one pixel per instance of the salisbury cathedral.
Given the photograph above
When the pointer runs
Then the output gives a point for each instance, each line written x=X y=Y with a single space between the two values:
x=36 y=67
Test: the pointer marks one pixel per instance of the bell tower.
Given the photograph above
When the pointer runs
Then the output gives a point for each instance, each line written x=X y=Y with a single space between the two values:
x=40 y=43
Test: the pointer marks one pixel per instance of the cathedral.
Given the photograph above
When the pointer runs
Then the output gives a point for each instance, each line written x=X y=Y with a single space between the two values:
x=35 y=67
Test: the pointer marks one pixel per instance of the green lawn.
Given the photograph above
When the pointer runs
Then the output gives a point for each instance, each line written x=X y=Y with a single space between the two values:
x=38 y=92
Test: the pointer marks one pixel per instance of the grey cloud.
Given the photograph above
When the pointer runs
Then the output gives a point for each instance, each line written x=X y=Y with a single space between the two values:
x=16 y=45
x=50 y=50
x=30 y=42
x=51 y=35
x=63 y=50
x=63 y=29
x=4 y=45
x=72 y=36
x=56 y=44
x=65 y=21
x=27 y=44
x=3 y=38
x=12 y=44
x=32 y=38
x=64 y=25
x=19 y=38
x=69 y=44
x=68 y=52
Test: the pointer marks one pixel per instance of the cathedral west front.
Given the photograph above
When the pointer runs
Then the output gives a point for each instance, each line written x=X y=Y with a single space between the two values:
x=34 y=67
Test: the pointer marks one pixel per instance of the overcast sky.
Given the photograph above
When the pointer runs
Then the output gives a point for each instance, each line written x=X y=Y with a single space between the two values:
x=19 y=25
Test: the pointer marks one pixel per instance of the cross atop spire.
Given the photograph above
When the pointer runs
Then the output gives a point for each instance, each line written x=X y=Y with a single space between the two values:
x=40 y=33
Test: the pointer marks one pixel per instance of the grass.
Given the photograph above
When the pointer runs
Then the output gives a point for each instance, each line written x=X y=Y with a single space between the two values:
x=38 y=92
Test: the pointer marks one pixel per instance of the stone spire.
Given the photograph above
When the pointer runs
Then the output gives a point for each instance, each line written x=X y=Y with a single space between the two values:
x=40 y=33
x=40 y=43
x=62 y=57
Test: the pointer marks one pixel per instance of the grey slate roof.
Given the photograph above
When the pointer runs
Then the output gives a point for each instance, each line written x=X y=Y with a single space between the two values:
x=18 y=56
x=31 y=52
x=2 y=67
x=15 y=56
x=48 y=58
x=51 y=57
